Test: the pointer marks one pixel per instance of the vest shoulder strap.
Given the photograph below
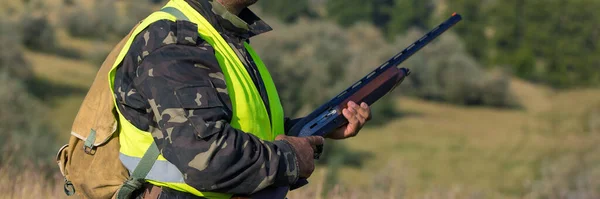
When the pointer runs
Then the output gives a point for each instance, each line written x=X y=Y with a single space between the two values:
x=136 y=180
x=137 y=177
x=175 y=12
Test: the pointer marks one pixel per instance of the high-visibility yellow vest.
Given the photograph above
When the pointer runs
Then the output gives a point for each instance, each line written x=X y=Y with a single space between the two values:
x=249 y=111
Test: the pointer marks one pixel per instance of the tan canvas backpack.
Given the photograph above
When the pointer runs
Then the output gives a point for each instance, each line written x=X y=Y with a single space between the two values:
x=90 y=161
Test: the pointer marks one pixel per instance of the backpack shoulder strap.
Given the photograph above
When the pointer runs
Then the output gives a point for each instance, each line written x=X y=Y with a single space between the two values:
x=136 y=179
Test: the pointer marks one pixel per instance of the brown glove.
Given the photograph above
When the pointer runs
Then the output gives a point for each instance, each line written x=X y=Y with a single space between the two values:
x=304 y=148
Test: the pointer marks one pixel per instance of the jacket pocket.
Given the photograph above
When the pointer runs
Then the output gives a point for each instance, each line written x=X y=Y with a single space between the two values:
x=203 y=109
x=198 y=97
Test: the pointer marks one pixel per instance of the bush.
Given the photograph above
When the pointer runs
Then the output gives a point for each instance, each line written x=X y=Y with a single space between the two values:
x=38 y=33
x=21 y=125
x=12 y=60
x=286 y=10
x=103 y=20
x=443 y=71
x=135 y=10
x=26 y=139
x=97 y=21
x=20 y=118
x=496 y=91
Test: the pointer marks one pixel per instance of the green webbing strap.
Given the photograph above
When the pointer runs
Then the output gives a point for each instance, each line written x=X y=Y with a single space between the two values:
x=175 y=12
x=89 y=142
x=136 y=180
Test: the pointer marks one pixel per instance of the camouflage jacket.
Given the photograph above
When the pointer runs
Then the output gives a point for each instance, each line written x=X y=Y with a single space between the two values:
x=156 y=88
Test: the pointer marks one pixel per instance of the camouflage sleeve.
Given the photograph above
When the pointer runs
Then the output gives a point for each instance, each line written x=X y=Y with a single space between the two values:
x=192 y=127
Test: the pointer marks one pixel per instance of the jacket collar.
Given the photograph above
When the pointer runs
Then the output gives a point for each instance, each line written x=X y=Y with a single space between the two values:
x=244 y=25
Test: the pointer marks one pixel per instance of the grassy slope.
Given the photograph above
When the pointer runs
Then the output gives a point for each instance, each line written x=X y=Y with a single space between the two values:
x=436 y=147
x=54 y=74
x=498 y=152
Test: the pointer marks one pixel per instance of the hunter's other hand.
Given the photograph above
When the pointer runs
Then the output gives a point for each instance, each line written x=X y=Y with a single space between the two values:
x=304 y=148
x=357 y=116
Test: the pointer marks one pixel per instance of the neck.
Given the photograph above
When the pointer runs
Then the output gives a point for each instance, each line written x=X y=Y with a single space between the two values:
x=232 y=6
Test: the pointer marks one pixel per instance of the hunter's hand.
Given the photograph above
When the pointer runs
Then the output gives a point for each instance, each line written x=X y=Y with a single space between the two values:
x=357 y=116
x=305 y=150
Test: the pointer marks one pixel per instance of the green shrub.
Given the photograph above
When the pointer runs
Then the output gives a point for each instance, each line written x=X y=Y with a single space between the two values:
x=496 y=91
x=21 y=125
x=443 y=71
x=286 y=10
x=136 y=10
x=26 y=139
x=38 y=33
x=461 y=80
x=12 y=59
x=348 y=12
x=79 y=23
x=102 y=20
x=69 y=2
x=98 y=21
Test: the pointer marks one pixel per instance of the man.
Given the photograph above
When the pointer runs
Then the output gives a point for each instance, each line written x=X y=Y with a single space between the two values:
x=178 y=86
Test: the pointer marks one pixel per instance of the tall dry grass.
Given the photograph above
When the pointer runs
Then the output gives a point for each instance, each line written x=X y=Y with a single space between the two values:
x=31 y=183
x=28 y=183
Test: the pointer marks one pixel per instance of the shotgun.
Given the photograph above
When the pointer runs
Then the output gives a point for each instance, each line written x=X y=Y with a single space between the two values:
x=369 y=89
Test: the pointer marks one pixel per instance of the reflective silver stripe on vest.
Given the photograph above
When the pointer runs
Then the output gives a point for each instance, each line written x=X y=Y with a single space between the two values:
x=162 y=171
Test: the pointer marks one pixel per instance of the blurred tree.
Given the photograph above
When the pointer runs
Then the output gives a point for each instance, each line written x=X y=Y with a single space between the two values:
x=21 y=118
x=26 y=139
x=96 y=22
x=38 y=33
x=555 y=42
x=286 y=10
x=444 y=71
x=103 y=21
x=382 y=13
x=409 y=13
x=474 y=26
x=159 y=1
x=348 y=12
x=552 y=42
x=12 y=60
x=135 y=11
x=391 y=16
